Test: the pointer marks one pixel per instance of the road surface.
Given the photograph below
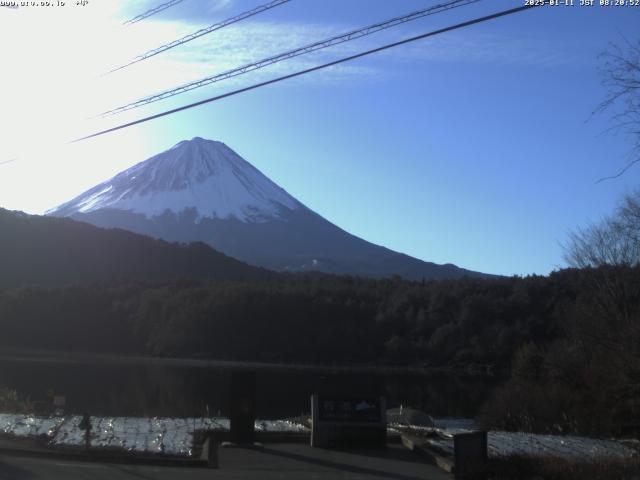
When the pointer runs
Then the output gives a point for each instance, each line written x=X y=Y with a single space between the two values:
x=277 y=461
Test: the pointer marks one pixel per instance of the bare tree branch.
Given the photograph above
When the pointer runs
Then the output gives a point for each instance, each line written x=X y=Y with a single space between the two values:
x=614 y=241
x=621 y=172
x=621 y=77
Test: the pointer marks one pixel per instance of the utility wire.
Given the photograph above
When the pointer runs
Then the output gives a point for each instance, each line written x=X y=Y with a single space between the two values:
x=312 y=69
x=153 y=11
x=201 y=32
x=346 y=37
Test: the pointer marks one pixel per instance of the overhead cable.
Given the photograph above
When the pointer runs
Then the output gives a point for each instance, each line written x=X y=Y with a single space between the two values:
x=153 y=11
x=346 y=37
x=201 y=32
x=312 y=69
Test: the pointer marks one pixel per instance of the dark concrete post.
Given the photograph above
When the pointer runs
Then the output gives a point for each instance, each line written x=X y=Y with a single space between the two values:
x=243 y=407
x=85 y=424
x=470 y=455
x=210 y=451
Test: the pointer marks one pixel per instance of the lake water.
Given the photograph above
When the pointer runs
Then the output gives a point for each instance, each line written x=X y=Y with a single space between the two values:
x=135 y=387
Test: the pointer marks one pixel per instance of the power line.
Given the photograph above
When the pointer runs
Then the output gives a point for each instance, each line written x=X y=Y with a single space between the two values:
x=346 y=37
x=201 y=32
x=153 y=11
x=312 y=69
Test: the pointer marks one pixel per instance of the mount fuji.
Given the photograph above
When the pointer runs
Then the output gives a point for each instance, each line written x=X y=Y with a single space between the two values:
x=201 y=190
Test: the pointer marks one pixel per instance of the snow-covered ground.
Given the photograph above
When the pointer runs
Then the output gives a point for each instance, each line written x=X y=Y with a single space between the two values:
x=171 y=436
x=510 y=443
x=451 y=426
x=174 y=436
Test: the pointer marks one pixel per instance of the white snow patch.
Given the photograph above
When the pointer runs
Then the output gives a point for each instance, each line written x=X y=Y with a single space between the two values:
x=93 y=201
x=22 y=425
x=171 y=436
x=510 y=443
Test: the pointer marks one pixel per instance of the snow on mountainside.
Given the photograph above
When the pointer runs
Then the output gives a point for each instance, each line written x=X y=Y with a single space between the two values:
x=201 y=174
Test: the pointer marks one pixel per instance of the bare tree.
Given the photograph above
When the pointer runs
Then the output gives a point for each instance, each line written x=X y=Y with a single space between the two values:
x=605 y=325
x=613 y=241
x=621 y=76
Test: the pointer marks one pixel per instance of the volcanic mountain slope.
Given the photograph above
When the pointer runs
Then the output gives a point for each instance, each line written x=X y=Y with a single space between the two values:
x=201 y=190
x=41 y=250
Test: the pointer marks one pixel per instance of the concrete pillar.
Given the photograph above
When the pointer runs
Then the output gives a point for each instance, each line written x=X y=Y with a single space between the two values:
x=242 y=407
x=470 y=455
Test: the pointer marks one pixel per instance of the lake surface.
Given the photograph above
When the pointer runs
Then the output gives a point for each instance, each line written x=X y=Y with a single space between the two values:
x=146 y=387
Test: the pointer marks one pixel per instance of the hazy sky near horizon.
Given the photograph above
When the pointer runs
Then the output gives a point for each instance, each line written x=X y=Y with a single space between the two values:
x=476 y=147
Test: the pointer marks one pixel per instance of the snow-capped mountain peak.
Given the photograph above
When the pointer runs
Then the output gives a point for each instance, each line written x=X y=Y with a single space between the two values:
x=198 y=174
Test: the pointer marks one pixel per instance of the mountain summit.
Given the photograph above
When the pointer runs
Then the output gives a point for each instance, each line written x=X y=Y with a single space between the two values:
x=201 y=190
x=197 y=174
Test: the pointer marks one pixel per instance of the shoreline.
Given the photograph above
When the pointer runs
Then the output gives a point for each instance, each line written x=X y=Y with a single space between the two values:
x=80 y=358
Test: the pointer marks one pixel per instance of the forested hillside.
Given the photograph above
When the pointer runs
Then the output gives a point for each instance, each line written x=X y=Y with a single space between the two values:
x=299 y=318
x=37 y=250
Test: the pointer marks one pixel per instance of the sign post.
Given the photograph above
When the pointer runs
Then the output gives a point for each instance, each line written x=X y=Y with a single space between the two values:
x=350 y=422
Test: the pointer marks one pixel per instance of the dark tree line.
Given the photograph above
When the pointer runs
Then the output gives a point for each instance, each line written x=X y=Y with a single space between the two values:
x=313 y=318
x=587 y=379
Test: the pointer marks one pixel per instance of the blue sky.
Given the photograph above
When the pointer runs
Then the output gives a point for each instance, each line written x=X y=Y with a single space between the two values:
x=476 y=147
